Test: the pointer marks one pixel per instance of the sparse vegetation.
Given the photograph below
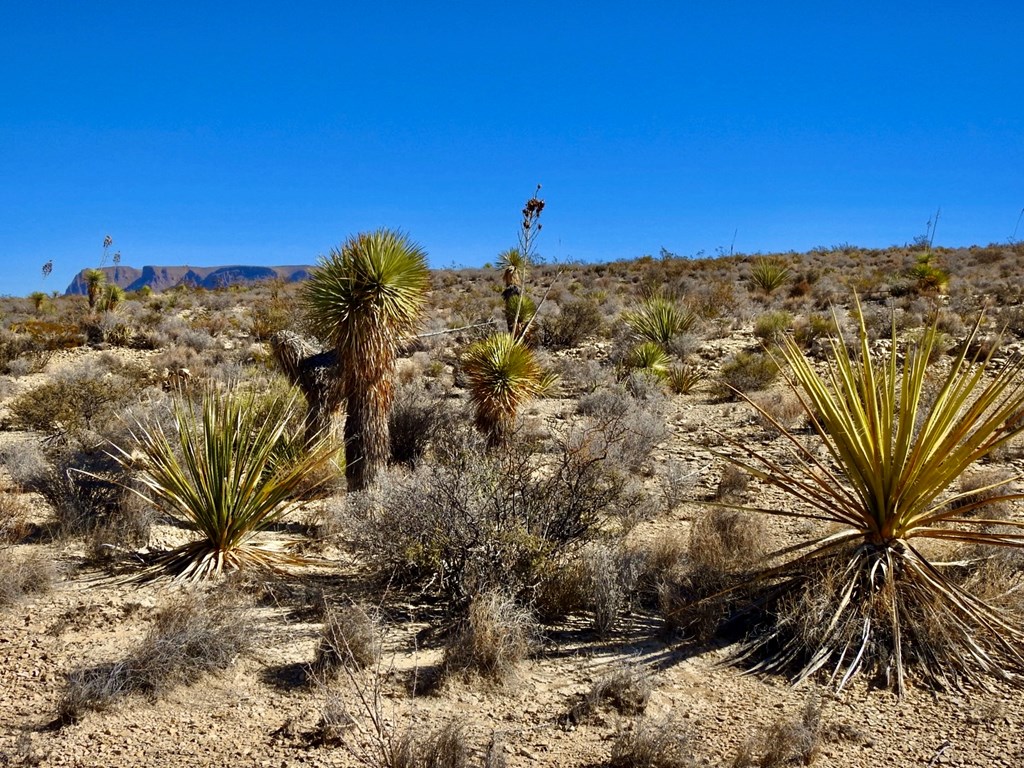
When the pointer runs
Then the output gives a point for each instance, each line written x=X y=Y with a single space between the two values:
x=606 y=514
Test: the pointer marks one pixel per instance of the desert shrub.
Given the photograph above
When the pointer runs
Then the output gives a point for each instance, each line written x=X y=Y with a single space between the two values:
x=190 y=637
x=772 y=326
x=474 y=520
x=14 y=524
x=85 y=491
x=747 y=372
x=630 y=420
x=123 y=529
x=653 y=743
x=12 y=347
x=494 y=638
x=73 y=406
x=351 y=637
x=811 y=331
x=415 y=417
x=576 y=321
x=788 y=741
x=31 y=573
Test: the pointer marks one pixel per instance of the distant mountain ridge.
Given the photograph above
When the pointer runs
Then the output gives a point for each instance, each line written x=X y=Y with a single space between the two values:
x=165 y=278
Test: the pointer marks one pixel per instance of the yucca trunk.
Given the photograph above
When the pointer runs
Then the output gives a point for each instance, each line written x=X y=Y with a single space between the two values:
x=367 y=434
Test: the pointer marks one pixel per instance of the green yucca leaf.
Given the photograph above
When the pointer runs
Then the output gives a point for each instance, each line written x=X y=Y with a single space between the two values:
x=649 y=357
x=658 y=320
x=502 y=374
x=894 y=459
x=222 y=476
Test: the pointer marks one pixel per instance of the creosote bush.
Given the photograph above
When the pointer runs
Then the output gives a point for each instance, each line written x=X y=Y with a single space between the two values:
x=475 y=520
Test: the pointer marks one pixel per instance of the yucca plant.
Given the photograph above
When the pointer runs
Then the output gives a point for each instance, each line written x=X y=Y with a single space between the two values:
x=222 y=474
x=502 y=374
x=94 y=281
x=513 y=264
x=768 y=275
x=650 y=358
x=111 y=297
x=365 y=299
x=659 y=320
x=685 y=378
x=864 y=595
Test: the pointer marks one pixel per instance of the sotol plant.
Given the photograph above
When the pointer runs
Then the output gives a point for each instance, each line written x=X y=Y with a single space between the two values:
x=502 y=374
x=864 y=594
x=223 y=476
x=365 y=299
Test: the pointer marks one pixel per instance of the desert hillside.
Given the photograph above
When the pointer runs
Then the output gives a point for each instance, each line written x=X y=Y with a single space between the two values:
x=562 y=575
x=165 y=278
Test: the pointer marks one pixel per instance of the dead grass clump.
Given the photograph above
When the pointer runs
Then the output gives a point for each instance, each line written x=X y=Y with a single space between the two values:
x=732 y=483
x=982 y=486
x=788 y=741
x=778 y=409
x=192 y=636
x=351 y=637
x=14 y=514
x=609 y=578
x=494 y=638
x=724 y=546
x=626 y=689
x=653 y=743
x=723 y=543
x=446 y=746
x=747 y=372
x=32 y=573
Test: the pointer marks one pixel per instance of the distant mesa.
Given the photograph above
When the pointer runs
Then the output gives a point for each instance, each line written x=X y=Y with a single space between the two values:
x=211 y=278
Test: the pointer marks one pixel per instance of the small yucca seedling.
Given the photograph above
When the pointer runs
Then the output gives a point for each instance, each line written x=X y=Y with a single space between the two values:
x=222 y=476
x=659 y=320
x=503 y=374
x=768 y=275
x=864 y=594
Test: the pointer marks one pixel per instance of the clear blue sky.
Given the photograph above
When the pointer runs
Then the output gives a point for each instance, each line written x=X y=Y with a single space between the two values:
x=264 y=133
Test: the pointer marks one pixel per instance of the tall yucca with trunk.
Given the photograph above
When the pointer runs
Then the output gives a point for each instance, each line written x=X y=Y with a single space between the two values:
x=94 y=281
x=502 y=374
x=365 y=299
x=864 y=595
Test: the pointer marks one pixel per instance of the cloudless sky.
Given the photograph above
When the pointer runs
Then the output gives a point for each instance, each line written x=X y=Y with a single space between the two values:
x=265 y=133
